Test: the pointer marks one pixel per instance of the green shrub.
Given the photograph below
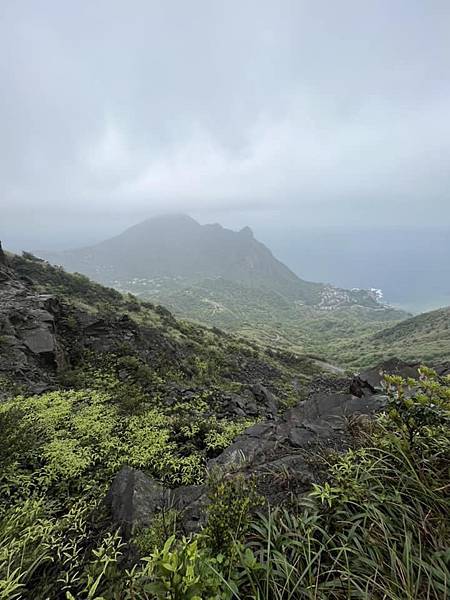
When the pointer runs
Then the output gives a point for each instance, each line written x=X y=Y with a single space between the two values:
x=181 y=570
x=231 y=503
x=164 y=525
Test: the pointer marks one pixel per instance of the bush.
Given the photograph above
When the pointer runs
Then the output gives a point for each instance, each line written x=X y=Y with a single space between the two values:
x=232 y=502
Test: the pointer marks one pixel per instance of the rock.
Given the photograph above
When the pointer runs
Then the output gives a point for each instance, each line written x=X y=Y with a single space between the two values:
x=233 y=404
x=443 y=369
x=373 y=378
x=134 y=498
x=40 y=388
x=266 y=398
x=321 y=420
x=2 y=255
x=190 y=501
x=39 y=340
x=360 y=388
x=245 y=448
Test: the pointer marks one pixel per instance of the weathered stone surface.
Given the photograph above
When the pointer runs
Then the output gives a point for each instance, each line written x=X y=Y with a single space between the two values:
x=252 y=443
x=240 y=406
x=134 y=498
x=191 y=502
x=322 y=419
x=374 y=377
x=266 y=398
x=39 y=340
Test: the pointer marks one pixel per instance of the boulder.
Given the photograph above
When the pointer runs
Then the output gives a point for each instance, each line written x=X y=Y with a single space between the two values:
x=134 y=498
x=240 y=406
x=266 y=398
x=190 y=501
x=321 y=420
x=39 y=340
x=246 y=448
x=360 y=388
x=373 y=378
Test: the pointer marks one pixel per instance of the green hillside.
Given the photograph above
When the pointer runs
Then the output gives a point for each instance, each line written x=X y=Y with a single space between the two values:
x=424 y=338
x=149 y=458
x=267 y=316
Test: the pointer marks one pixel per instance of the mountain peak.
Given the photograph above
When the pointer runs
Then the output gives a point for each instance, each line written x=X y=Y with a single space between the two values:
x=170 y=219
x=177 y=246
x=246 y=232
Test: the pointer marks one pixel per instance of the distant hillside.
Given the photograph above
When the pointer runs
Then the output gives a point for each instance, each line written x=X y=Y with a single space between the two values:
x=166 y=251
x=425 y=337
x=268 y=317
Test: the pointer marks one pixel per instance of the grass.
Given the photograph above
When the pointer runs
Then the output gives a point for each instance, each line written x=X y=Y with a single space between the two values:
x=379 y=528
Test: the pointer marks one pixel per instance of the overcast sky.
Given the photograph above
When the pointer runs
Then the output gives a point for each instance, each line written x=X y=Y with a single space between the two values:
x=312 y=112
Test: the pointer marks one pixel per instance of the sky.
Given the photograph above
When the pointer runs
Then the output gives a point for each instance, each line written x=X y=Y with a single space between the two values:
x=279 y=114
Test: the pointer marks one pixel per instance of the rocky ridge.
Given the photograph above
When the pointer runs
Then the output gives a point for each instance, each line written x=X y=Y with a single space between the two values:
x=281 y=454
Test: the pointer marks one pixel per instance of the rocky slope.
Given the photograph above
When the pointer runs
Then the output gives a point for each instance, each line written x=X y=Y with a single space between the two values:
x=282 y=455
x=49 y=320
x=45 y=336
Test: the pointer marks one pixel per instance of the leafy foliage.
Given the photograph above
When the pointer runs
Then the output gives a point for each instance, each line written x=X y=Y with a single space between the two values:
x=378 y=528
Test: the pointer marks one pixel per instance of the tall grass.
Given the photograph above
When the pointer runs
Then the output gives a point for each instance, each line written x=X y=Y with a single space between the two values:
x=381 y=531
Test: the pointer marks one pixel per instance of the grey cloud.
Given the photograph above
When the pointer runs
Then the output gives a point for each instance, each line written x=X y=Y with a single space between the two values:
x=321 y=110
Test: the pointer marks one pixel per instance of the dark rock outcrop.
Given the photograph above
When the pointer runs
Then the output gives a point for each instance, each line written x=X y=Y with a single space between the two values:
x=372 y=379
x=277 y=453
x=190 y=501
x=321 y=420
x=134 y=498
x=2 y=255
x=33 y=350
x=264 y=397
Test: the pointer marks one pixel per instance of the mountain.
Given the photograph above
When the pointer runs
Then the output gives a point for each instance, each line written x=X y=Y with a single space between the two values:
x=175 y=250
x=230 y=280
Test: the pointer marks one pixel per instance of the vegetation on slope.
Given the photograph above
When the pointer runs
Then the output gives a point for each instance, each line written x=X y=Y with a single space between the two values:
x=270 y=318
x=377 y=528
x=424 y=338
